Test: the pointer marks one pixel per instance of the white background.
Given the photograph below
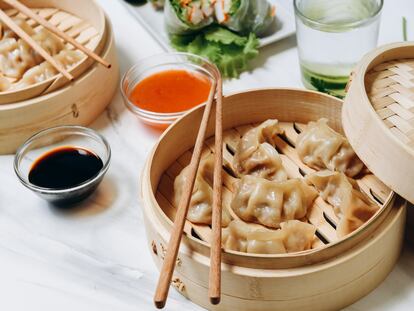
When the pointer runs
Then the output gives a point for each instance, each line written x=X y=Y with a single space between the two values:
x=96 y=258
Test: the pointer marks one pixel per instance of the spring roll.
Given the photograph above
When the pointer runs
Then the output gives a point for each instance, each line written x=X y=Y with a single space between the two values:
x=244 y=16
x=187 y=16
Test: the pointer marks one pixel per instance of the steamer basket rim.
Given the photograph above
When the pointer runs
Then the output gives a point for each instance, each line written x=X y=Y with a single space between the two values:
x=149 y=163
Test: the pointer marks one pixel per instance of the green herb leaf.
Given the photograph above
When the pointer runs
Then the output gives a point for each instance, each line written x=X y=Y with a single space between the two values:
x=222 y=35
x=404 y=28
x=229 y=51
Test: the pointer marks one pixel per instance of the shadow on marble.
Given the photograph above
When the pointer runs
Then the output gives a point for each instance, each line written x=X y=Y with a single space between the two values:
x=100 y=201
x=124 y=59
x=273 y=49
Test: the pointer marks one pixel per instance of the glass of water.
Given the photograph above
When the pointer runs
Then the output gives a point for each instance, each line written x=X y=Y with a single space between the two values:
x=332 y=36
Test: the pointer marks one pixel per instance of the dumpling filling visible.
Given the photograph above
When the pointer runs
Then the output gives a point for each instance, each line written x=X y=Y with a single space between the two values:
x=244 y=16
x=201 y=204
x=270 y=203
x=294 y=236
x=256 y=154
x=320 y=147
x=351 y=206
x=186 y=16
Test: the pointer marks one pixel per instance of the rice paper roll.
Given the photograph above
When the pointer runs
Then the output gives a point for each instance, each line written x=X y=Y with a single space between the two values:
x=187 y=16
x=244 y=16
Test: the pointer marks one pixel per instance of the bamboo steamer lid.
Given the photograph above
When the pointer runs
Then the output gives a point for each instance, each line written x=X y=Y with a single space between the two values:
x=378 y=115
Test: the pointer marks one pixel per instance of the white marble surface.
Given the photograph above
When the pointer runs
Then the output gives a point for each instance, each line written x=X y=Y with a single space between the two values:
x=95 y=258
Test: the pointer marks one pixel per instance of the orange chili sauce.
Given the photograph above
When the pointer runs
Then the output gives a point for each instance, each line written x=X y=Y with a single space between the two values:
x=171 y=91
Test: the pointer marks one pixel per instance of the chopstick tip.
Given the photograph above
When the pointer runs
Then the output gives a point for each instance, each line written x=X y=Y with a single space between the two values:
x=159 y=304
x=215 y=300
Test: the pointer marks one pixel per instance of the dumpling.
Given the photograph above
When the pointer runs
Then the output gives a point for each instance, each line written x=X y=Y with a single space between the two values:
x=320 y=147
x=255 y=153
x=4 y=83
x=201 y=204
x=6 y=32
x=49 y=42
x=294 y=236
x=270 y=203
x=68 y=58
x=45 y=70
x=351 y=205
x=15 y=58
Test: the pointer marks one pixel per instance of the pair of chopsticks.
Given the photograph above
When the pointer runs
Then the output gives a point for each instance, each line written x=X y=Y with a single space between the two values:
x=180 y=217
x=29 y=40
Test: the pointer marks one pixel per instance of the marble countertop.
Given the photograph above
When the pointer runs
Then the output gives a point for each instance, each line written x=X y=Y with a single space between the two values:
x=95 y=257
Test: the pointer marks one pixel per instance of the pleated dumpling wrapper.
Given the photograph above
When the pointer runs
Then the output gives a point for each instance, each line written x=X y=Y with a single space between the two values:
x=44 y=71
x=256 y=154
x=294 y=236
x=352 y=207
x=200 y=209
x=320 y=147
x=4 y=83
x=16 y=56
x=270 y=203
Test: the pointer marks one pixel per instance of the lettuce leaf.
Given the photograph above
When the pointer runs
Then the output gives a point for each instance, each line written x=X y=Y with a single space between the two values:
x=231 y=52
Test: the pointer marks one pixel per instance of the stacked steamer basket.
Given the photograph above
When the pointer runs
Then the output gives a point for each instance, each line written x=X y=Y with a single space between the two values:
x=331 y=275
x=56 y=101
x=379 y=108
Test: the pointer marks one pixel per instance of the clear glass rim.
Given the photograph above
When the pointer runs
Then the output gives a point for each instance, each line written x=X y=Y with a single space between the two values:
x=314 y=22
x=77 y=129
x=160 y=117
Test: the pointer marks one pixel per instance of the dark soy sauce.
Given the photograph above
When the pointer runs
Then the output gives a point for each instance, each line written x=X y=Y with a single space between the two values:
x=64 y=168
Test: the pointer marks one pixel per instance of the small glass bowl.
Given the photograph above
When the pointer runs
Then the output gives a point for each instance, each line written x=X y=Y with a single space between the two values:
x=55 y=137
x=162 y=62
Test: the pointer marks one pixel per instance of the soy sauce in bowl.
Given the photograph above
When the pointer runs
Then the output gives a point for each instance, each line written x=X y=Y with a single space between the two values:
x=63 y=164
x=65 y=167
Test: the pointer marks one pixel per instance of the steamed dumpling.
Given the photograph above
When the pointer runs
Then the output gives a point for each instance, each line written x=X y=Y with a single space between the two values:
x=45 y=70
x=320 y=147
x=201 y=204
x=294 y=236
x=16 y=56
x=351 y=206
x=6 y=32
x=256 y=154
x=270 y=203
x=4 y=83
x=49 y=42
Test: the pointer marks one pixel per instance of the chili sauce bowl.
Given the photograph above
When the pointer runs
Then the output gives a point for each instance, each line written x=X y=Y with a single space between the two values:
x=45 y=154
x=151 y=113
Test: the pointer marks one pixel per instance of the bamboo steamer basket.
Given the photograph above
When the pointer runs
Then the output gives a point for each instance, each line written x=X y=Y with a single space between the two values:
x=83 y=20
x=77 y=103
x=379 y=109
x=333 y=274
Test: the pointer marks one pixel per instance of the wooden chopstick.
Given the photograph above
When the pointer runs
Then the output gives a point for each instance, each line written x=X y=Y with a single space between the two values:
x=214 y=289
x=29 y=13
x=170 y=258
x=29 y=40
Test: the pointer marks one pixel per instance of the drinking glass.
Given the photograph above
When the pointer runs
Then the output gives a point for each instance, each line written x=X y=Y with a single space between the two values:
x=332 y=36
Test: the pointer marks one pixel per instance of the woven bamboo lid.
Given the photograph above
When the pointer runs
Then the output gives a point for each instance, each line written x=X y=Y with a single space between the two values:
x=378 y=115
